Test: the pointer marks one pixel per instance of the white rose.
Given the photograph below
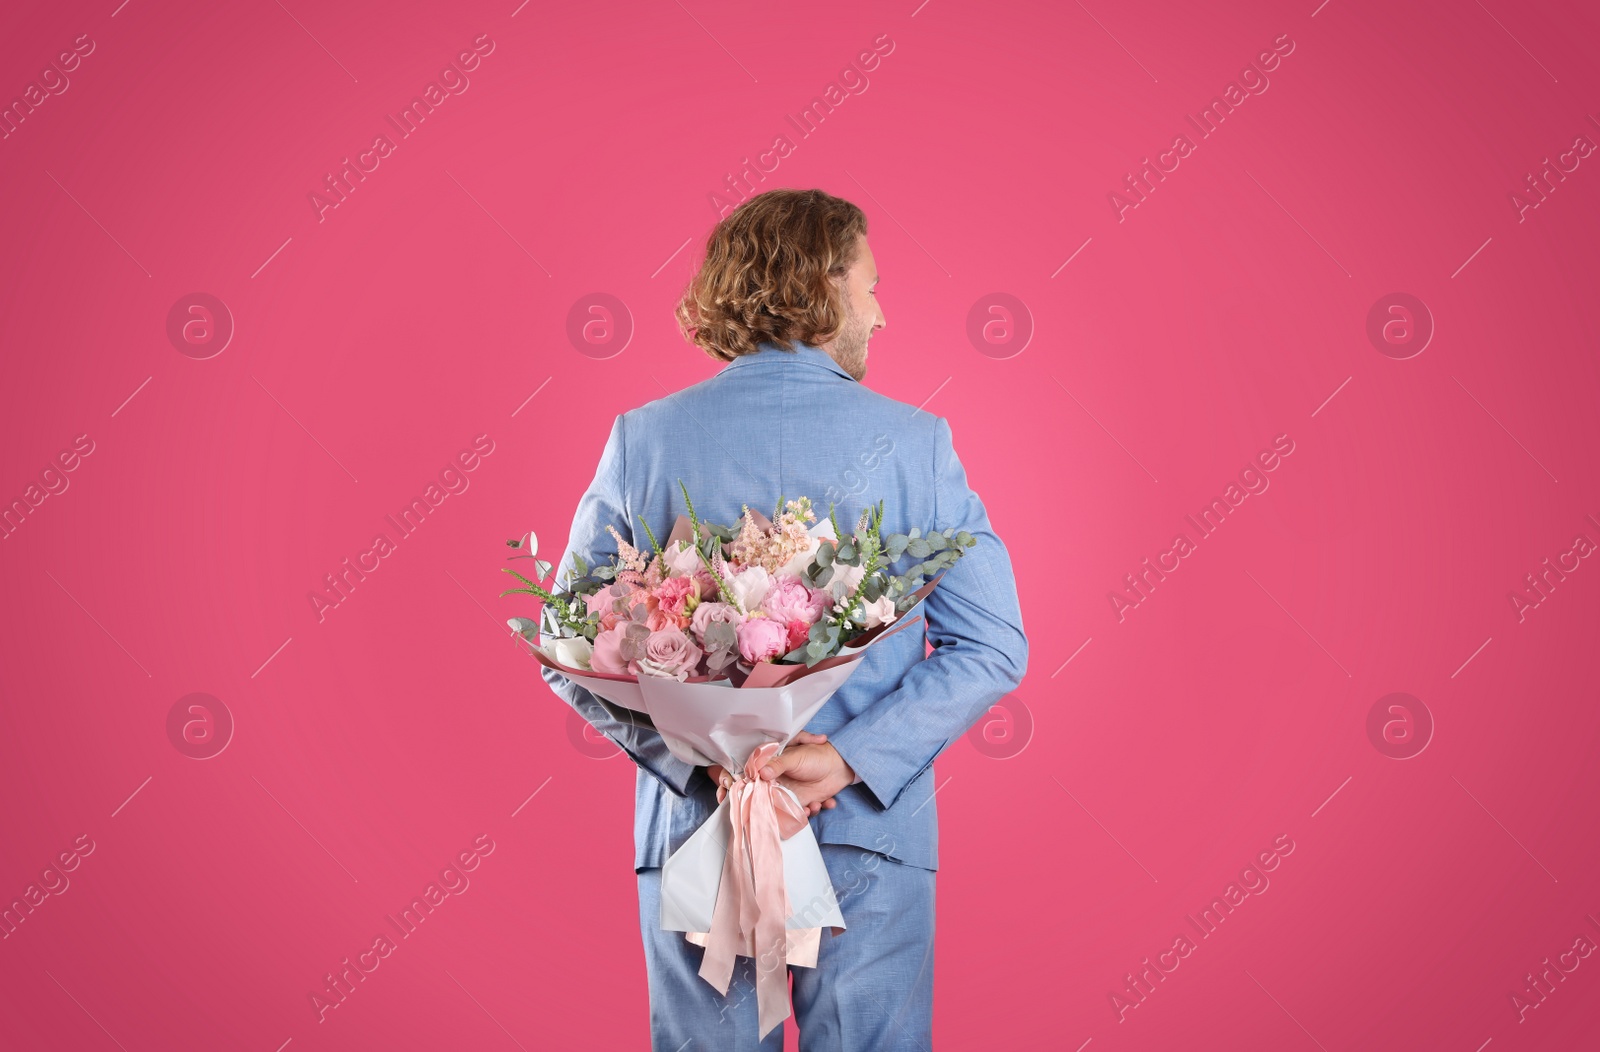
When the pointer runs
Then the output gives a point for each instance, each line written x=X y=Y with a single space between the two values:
x=749 y=586
x=572 y=652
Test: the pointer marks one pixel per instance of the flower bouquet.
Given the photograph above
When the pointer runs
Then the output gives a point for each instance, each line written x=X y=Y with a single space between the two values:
x=729 y=640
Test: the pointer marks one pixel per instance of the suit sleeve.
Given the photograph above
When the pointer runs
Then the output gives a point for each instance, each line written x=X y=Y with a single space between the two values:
x=974 y=622
x=605 y=504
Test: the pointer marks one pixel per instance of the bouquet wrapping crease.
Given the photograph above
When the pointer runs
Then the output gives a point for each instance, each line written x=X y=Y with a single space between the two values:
x=728 y=643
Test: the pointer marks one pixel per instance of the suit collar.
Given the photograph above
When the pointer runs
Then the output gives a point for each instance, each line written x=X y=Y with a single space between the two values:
x=770 y=354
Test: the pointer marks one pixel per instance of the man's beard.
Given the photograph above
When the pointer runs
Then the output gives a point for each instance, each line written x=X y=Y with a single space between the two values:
x=850 y=348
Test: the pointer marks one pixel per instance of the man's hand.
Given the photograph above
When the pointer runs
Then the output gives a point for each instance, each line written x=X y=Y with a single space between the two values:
x=813 y=803
x=814 y=770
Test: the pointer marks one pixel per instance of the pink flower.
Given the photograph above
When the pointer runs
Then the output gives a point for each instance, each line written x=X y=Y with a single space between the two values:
x=607 y=655
x=706 y=613
x=669 y=654
x=789 y=599
x=761 y=639
x=797 y=634
x=600 y=602
x=708 y=585
x=671 y=595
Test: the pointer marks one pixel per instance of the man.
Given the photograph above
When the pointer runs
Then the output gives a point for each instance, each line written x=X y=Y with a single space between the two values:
x=786 y=295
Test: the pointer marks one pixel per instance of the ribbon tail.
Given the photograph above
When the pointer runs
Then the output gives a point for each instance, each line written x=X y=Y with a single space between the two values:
x=772 y=899
x=724 y=940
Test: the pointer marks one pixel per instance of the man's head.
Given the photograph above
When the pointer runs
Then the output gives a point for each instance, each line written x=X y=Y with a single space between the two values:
x=786 y=266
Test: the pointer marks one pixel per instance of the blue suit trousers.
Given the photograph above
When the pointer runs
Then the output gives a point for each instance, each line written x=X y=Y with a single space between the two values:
x=872 y=989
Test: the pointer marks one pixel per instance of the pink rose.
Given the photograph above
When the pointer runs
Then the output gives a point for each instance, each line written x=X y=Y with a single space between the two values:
x=601 y=602
x=797 y=634
x=607 y=655
x=671 y=595
x=789 y=599
x=760 y=639
x=669 y=654
x=706 y=613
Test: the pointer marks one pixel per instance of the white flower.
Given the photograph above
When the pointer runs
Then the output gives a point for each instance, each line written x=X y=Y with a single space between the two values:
x=681 y=558
x=878 y=613
x=749 y=586
x=844 y=580
x=572 y=652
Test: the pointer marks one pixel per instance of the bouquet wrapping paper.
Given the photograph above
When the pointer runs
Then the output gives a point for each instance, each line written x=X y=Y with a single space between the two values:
x=735 y=886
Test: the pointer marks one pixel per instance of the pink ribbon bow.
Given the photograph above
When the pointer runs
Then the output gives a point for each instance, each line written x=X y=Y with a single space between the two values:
x=752 y=909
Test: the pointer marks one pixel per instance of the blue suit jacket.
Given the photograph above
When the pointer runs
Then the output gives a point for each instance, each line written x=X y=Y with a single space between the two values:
x=794 y=423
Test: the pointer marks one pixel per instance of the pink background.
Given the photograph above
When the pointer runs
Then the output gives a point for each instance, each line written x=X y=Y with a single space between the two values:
x=1159 y=753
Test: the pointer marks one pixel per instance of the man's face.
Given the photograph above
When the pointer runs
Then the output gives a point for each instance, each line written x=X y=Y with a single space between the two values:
x=863 y=316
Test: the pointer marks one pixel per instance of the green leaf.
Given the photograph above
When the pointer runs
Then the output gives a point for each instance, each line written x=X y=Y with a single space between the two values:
x=579 y=567
x=919 y=549
x=524 y=627
x=541 y=567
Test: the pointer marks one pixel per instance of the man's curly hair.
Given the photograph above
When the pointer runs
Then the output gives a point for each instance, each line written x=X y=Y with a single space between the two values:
x=767 y=274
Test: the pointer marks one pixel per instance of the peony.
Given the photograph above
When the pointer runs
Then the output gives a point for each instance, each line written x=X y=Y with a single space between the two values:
x=797 y=634
x=681 y=558
x=790 y=599
x=572 y=652
x=708 y=613
x=669 y=654
x=762 y=639
x=673 y=593
x=749 y=587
